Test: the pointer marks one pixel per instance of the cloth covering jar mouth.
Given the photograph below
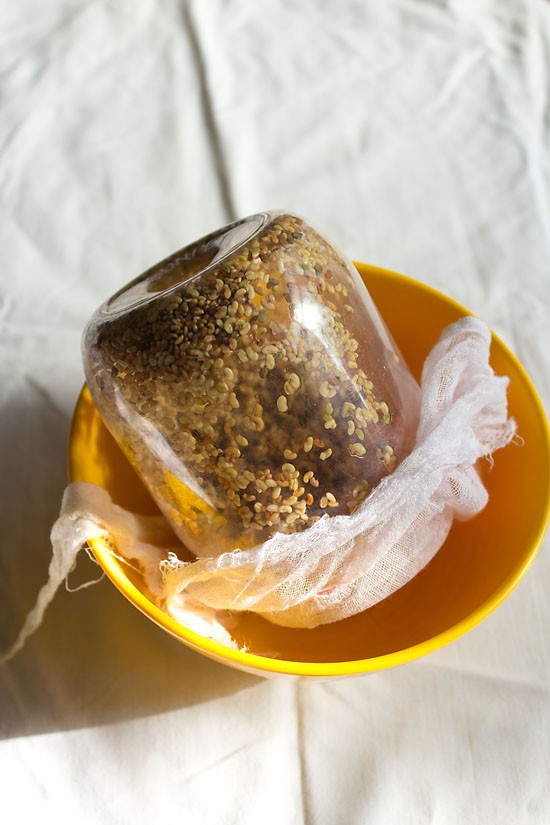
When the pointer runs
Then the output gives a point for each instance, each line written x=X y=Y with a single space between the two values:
x=252 y=384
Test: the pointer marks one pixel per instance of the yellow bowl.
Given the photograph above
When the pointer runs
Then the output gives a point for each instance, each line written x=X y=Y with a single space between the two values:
x=479 y=565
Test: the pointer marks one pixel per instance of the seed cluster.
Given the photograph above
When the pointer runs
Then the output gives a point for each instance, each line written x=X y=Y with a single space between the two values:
x=245 y=382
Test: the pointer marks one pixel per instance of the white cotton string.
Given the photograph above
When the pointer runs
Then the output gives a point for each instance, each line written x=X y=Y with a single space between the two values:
x=87 y=513
x=62 y=562
x=89 y=583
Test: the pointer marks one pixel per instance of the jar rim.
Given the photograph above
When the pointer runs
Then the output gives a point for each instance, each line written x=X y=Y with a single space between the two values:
x=230 y=238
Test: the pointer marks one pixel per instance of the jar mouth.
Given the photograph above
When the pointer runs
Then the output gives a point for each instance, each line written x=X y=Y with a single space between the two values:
x=188 y=263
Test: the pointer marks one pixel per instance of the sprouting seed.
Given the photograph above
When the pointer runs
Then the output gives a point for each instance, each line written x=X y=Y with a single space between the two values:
x=326 y=390
x=293 y=382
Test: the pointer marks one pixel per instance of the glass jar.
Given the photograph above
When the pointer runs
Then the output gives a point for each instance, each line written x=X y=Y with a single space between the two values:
x=251 y=383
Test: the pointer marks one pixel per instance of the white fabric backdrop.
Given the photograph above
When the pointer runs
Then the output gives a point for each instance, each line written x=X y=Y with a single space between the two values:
x=416 y=135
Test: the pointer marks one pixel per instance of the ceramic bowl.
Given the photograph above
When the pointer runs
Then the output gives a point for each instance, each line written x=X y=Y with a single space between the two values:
x=479 y=565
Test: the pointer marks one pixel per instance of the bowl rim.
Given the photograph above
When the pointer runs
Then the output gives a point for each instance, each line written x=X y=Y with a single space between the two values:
x=254 y=662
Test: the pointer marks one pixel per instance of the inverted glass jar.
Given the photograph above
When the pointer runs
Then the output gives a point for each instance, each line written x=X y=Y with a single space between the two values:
x=251 y=383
